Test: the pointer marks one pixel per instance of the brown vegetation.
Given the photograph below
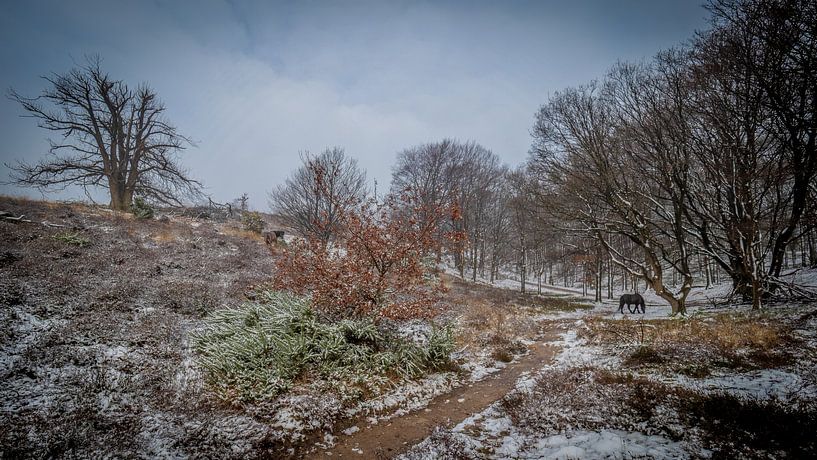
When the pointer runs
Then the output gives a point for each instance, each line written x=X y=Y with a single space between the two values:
x=376 y=267
x=94 y=334
x=693 y=345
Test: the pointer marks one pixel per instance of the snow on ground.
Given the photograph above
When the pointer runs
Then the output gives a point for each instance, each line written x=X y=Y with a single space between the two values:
x=699 y=298
x=412 y=395
x=26 y=328
x=479 y=369
x=508 y=280
x=493 y=433
x=415 y=331
x=806 y=278
x=605 y=444
x=577 y=353
x=762 y=384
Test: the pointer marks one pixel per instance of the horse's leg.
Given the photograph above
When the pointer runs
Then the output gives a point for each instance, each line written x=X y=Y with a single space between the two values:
x=621 y=307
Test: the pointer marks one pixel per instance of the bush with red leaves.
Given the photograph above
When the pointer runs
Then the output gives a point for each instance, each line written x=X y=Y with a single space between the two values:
x=380 y=266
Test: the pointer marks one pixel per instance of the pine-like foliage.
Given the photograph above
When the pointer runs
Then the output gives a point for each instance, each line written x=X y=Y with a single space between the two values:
x=256 y=351
x=141 y=209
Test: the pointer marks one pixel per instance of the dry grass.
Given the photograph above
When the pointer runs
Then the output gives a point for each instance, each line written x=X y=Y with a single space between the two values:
x=725 y=332
x=692 y=346
x=106 y=321
x=167 y=236
x=496 y=315
x=496 y=328
x=494 y=320
x=27 y=201
x=237 y=232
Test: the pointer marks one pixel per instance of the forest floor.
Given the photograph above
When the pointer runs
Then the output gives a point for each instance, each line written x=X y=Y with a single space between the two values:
x=95 y=361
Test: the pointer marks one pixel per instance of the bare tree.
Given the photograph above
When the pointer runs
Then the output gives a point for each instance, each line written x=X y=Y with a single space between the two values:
x=705 y=155
x=521 y=218
x=463 y=174
x=111 y=136
x=426 y=173
x=243 y=201
x=774 y=44
x=650 y=106
x=317 y=194
x=592 y=175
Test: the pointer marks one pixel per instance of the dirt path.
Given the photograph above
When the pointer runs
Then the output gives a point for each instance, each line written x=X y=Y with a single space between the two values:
x=392 y=437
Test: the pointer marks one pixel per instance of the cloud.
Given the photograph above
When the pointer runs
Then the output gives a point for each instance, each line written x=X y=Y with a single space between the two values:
x=255 y=83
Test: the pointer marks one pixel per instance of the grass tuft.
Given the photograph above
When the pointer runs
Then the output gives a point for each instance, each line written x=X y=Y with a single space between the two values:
x=73 y=238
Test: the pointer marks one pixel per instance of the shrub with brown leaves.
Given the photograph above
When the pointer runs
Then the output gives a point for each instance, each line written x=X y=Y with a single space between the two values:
x=376 y=268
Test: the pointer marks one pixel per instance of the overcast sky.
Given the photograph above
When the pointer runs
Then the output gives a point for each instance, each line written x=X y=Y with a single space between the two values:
x=256 y=82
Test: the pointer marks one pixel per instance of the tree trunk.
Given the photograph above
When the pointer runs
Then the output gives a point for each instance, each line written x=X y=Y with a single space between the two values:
x=121 y=198
x=598 y=276
x=474 y=264
x=708 y=272
x=803 y=252
x=742 y=279
x=812 y=250
x=625 y=279
x=610 y=278
x=677 y=304
x=482 y=259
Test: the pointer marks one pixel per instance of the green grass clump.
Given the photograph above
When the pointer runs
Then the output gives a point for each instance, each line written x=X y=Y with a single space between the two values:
x=256 y=351
x=73 y=238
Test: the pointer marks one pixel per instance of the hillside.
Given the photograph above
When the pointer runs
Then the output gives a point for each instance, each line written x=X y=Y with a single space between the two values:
x=99 y=308
x=94 y=354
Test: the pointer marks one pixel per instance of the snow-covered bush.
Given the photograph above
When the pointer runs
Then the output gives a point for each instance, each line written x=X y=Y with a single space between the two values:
x=257 y=350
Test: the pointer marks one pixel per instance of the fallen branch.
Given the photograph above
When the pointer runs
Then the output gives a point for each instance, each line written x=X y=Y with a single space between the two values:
x=21 y=219
x=797 y=291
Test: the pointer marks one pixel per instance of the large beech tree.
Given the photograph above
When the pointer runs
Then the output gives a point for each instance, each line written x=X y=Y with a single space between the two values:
x=107 y=135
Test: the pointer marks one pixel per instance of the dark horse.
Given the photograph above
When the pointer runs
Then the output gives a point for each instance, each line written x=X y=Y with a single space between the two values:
x=630 y=300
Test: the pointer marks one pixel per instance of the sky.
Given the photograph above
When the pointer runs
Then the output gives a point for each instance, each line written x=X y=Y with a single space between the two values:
x=254 y=83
